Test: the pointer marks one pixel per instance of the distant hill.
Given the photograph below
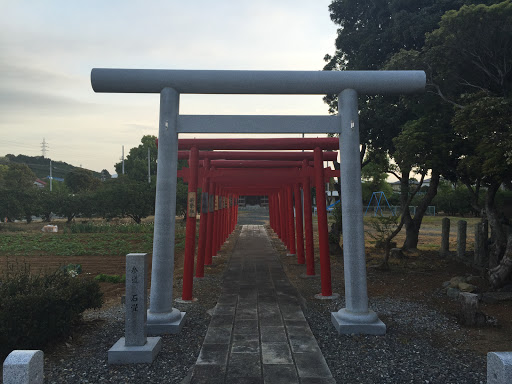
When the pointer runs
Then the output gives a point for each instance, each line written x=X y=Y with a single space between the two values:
x=41 y=166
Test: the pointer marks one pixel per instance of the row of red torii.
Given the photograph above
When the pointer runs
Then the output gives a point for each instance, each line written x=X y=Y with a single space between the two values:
x=280 y=176
x=356 y=317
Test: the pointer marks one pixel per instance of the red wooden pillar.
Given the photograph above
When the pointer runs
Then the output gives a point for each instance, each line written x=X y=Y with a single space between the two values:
x=190 y=232
x=323 y=236
x=232 y=216
x=291 y=229
x=203 y=223
x=298 y=224
x=308 y=225
x=209 y=230
x=278 y=216
x=271 y=211
x=236 y=210
x=216 y=223
x=222 y=212
x=282 y=204
x=226 y=221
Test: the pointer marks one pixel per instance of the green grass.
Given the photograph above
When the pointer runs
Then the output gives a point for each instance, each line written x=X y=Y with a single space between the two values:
x=115 y=279
x=80 y=244
x=91 y=227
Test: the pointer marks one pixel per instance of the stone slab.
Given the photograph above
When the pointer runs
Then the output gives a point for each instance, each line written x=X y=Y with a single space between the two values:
x=280 y=374
x=244 y=365
x=24 y=367
x=376 y=327
x=276 y=353
x=213 y=354
x=499 y=368
x=208 y=374
x=218 y=335
x=174 y=327
x=311 y=365
x=274 y=334
x=122 y=354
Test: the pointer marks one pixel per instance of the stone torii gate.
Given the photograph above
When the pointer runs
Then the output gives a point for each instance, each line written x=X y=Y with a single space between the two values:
x=356 y=317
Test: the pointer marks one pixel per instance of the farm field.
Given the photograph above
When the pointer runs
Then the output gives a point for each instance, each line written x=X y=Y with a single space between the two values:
x=100 y=249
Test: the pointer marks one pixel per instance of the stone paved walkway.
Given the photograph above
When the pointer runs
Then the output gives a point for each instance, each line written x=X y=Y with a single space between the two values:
x=258 y=333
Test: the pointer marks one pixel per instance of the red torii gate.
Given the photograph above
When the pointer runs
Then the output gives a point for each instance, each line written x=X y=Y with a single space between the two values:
x=280 y=200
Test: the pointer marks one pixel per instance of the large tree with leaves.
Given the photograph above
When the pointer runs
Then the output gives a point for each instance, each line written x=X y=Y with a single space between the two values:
x=373 y=35
x=470 y=56
x=136 y=163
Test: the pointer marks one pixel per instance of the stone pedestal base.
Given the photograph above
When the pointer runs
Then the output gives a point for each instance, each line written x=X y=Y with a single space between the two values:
x=347 y=322
x=334 y=296
x=121 y=354
x=160 y=325
x=304 y=276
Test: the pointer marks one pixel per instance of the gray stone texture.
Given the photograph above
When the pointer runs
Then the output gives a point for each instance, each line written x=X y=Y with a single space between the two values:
x=461 y=239
x=162 y=317
x=24 y=367
x=481 y=247
x=499 y=368
x=445 y=238
x=136 y=299
x=135 y=347
x=354 y=258
x=120 y=353
x=258 y=331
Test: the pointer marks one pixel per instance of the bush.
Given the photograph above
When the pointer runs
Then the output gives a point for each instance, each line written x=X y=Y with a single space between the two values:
x=36 y=309
x=116 y=279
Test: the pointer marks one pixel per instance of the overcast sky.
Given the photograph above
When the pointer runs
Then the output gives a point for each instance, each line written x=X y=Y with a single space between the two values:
x=48 y=48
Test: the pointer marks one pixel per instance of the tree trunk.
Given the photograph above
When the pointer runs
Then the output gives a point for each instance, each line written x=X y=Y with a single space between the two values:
x=499 y=275
x=413 y=225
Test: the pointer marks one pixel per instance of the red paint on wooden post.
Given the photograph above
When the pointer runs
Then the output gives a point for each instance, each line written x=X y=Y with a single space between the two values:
x=308 y=228
x=298 y=224
x=190 y=231
x=291 y=225
x=323 y=236
x=209 y=230
x=282 y=203
x=203 y=224
x=216 y=223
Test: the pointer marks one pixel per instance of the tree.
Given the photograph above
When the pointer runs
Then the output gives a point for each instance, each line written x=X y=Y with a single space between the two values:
x=17 y=192
x=472 y=71
x=125 y=197
x=81 y=180
x=136 y=163
x=388 y=35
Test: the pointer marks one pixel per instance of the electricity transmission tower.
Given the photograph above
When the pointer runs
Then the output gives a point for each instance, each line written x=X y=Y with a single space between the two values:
x=44 y=147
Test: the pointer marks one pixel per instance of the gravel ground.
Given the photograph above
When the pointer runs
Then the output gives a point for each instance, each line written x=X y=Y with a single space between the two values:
x=421 y=345
x=84 y=359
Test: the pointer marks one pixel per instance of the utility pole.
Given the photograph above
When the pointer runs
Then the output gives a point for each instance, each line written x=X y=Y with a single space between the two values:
x=149 y=169
x=44 y=147
x=51 y=177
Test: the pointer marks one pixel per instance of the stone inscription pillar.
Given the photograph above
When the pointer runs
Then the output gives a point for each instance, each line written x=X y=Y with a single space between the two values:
x=135 y=346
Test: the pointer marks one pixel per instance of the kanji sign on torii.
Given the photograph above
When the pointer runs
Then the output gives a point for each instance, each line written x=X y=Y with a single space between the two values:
x=356 y=317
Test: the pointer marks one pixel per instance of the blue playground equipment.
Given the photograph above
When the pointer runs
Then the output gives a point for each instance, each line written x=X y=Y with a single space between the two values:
x=331 y=207
x=378 y=198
